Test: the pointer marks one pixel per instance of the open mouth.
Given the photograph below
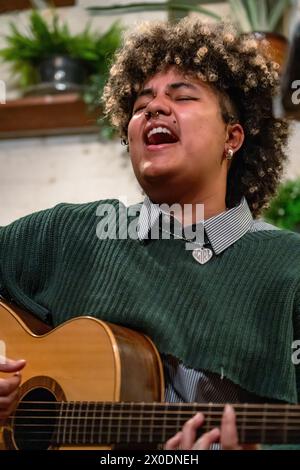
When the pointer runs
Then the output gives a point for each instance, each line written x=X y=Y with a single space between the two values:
x=159 y=136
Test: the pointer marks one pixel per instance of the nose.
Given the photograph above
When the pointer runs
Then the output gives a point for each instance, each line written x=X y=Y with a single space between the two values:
x=157 y=106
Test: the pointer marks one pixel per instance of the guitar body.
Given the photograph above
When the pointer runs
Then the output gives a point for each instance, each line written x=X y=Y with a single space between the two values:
x=84 y=359
x=94 y=385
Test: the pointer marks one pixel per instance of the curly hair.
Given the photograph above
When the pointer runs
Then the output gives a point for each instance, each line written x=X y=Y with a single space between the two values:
x=234 y=66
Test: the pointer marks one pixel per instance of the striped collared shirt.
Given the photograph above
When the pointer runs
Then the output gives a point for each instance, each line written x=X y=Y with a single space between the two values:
x=184 y=384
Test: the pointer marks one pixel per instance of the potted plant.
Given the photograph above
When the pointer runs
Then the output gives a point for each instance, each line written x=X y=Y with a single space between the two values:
x=49 y=55
x=263 y=19
x=284 y=209
x=176 y=9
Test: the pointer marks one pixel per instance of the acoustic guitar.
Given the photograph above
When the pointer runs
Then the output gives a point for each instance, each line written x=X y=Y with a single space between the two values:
x=94 y=385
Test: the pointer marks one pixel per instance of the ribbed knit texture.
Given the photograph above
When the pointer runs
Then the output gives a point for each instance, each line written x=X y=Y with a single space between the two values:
x=235 y=314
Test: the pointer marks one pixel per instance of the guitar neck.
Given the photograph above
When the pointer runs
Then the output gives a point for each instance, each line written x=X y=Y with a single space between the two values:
x=77 y=423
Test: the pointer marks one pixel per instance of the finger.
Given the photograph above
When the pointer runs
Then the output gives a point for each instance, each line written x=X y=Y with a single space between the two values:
x=12 y=366
x=207 y=439
x=229 y=435
x=9 y=385
x=189 y=431
x=7 y=402
x=174 y=442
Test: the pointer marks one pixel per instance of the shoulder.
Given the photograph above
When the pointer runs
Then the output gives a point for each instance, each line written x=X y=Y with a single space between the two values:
x=269 y=231
x=92 y=206
x=103 y=215
x=63 y=218
x=70 y=212
x=84 y=208
x=260 y=224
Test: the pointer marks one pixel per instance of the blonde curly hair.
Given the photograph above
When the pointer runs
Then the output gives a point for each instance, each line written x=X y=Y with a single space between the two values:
x=234 y=66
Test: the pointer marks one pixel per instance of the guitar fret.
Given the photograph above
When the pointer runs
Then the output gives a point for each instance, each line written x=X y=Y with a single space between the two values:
x=100 y=428
x=178 y=421
x=140 y=423
x=118 y=438
x=109 y=425
x=92 y=437
x=208 y=418
x=58 y=437
x=285 y=423
x=78 y=422
x=64 y=440
x=152 y=422
x=129 y=428
x=72 y=406
x=264 y=422
x=164 y=423
x=85 y=420
x=243 y=425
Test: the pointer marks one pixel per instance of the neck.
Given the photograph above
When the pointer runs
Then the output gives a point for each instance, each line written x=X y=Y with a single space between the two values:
x=107 y=423
x=189 y=210
x=189 y=195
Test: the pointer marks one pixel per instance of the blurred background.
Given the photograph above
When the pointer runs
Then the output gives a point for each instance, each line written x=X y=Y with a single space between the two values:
x=54 y=58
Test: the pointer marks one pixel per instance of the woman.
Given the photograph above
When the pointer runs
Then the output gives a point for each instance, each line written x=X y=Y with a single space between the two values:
x=193 y=102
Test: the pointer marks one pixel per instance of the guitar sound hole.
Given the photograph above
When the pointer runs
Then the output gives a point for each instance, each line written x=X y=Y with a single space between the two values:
x=35 y=420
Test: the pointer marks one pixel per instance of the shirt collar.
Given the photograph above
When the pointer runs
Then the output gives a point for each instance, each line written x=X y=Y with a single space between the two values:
x=222 y=230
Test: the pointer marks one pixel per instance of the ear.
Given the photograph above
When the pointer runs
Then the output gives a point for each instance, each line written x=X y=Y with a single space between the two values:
x=235 y=137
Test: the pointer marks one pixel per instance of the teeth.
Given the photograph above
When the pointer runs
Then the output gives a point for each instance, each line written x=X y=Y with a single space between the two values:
x=158 y=130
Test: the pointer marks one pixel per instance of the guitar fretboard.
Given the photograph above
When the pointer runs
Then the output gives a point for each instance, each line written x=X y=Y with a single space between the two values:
x=71 y=423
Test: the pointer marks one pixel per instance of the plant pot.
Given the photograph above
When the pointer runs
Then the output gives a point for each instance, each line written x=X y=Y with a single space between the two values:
x=273 y=45
x=62 y=69
x=58 y=74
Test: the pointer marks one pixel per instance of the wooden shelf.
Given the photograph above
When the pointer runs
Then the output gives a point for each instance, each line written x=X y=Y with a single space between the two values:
x=13 y=5
x=64 y=113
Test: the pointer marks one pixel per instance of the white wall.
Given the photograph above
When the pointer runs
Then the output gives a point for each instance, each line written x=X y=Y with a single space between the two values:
x=37 y=173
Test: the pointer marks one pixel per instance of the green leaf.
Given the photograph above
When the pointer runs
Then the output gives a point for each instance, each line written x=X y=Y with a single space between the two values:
x=240 y=15
x=263 y=17
x=284 y=210
x=151 y=6
x=41 y=40
x=127 y=8
x=251 y=7
x=259 y=15
x=277 y=13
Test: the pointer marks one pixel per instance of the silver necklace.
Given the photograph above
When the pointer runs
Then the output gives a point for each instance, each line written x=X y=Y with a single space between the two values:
x=202 y=254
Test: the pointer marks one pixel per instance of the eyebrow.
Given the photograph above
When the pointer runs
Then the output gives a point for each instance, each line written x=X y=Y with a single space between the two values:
x=172 y=86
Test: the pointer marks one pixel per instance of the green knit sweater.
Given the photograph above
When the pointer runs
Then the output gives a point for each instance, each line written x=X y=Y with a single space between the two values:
x=237 y=313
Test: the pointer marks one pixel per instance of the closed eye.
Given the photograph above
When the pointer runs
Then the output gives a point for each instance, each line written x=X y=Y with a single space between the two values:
x=139 y=109
x=181 y=98
x=186 y=98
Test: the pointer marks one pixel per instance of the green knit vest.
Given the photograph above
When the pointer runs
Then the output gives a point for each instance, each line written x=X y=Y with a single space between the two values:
x=236 y=314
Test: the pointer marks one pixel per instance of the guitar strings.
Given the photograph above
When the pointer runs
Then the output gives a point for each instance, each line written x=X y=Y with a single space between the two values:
x=96 y=413
x=167 y=404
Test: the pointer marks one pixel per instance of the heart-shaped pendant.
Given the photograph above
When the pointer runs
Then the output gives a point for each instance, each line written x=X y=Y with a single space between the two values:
x=202 y=255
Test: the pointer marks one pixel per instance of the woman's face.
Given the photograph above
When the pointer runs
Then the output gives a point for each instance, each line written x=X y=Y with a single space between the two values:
x=183 y=136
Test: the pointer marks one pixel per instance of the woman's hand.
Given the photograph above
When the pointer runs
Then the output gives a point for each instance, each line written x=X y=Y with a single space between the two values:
x=9 y=386
x=227 y=435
